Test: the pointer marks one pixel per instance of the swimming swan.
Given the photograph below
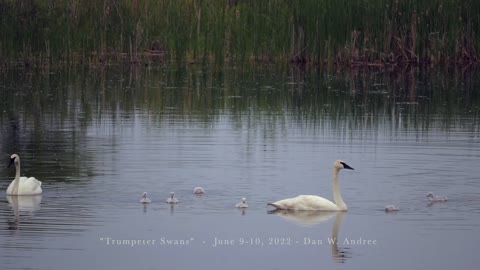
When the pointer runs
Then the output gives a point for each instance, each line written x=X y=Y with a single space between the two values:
x=242 y=204
x=391 y=208
x=311 y=202
x=198 y=190
x=144 y=198
x=22 y=185
x=172 y=199
x=433 y=198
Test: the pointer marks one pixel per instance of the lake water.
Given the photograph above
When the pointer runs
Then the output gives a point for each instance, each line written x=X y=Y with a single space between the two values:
x=98 y=138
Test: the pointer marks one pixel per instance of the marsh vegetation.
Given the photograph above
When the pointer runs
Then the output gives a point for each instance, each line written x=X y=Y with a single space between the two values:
x=324 y=33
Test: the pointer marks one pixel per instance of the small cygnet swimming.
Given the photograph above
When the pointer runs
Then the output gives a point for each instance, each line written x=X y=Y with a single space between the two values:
x=391 y=208
x=242 y=204
x=198 y=190
x=433 y=198
x=171 y=199
x=145 y=199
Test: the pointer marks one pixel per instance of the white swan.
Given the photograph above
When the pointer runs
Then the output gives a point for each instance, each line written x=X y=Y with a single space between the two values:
x=171 y=199
x=198 y=190
x=311 y=202
x=22 y=185
x=242 y=204
x=391 y=208
x=145 y=199
x=433 y=198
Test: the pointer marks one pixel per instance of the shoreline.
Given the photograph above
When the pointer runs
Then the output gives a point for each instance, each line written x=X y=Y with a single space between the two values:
x=155 y=58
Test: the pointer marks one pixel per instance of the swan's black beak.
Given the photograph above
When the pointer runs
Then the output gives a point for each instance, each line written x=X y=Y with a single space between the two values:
x=12 y=161
x=345 y=166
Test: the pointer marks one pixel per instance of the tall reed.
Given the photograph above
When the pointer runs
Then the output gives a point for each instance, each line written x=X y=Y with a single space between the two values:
x=323 y=32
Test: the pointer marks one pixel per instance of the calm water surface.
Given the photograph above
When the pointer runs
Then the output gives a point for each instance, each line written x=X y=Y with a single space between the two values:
x=99 y=138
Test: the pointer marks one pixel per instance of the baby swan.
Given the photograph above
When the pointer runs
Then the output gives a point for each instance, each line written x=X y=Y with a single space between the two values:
x=22 y=185
x=391 y=208
x=242 y=204
x=171 y=199
x=198 y=190
x=316 y=203
x=144 y=198
x=433 y=198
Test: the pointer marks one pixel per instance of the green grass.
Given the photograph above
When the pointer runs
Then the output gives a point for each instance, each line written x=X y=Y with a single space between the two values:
x=322 y=32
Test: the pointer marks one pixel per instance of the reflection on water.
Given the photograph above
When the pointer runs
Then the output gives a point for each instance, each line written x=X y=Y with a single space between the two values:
x=97 y=138
x=339 y=254
x=354 y=105
x=24 y=203
x=305 y=218
x=311 y=218
x=243 y=211
x=23 y=208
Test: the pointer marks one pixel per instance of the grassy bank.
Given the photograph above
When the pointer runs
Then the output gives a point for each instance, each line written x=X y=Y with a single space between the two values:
x=320 y=32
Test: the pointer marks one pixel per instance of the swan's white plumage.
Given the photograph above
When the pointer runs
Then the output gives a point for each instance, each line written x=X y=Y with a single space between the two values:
x=391 y=208
x=171 y=199
x=198 y=190
x=317 y=203
x=306 y=202
x=242 y=204
x=433 y=198
x=145 y=199
x=23 y=185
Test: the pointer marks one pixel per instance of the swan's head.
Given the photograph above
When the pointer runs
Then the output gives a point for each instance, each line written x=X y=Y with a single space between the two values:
x=340 y=164
x=244 y=200
x=144 y=195
x=430 y=195
x=172 y=194
x=14 y=159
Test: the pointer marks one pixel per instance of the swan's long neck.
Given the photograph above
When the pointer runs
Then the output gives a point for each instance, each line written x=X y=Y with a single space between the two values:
x=336 y=191
x=16 y=181
x=17 y=171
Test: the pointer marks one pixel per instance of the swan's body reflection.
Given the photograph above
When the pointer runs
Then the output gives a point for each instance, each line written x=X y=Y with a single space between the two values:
x=24 y=203
x=304 y=218
x=172 y=209
x=23 y=207
x=310 y=218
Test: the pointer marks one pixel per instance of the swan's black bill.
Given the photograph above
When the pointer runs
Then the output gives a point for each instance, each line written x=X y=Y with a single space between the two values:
x=345 y=166
x=12 y=161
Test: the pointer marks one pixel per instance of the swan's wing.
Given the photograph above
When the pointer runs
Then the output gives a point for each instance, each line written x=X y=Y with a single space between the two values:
x=30 y=186
x=286 y=204
x=311 y=202
x=305 y=202
x=34 y=180
x=26 y=186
